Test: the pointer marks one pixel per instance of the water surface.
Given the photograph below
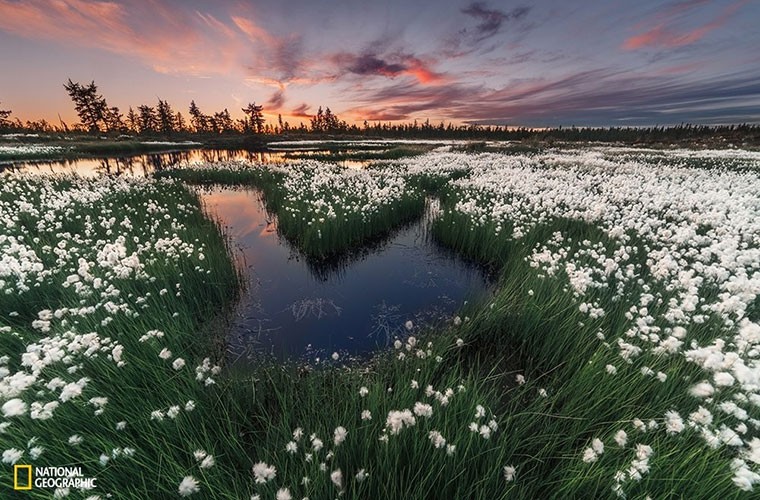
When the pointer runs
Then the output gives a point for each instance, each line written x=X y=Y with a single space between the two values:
x=144 y=164
x=295 y=308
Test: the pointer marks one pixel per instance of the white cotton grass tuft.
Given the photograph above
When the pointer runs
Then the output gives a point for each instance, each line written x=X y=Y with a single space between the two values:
x=589 y=456
x=336 y=477
x=423 y=410
x=673 y=422
x=361 y=475
x=339 y=435
x=188 y=486
x=598 y=446
x=485 y=432
x=437 y=439
x=510 y=472
x=397 y=420
x=621 y=438
x=263 y=472
x=12 y=455
x=283 y=494
x=316 y=443
x=13 y=408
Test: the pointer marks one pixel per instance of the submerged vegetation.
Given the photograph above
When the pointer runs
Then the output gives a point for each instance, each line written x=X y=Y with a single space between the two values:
x=617 y=359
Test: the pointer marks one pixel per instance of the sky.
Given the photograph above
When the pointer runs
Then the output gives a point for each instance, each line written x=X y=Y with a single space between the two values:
x=521 y=63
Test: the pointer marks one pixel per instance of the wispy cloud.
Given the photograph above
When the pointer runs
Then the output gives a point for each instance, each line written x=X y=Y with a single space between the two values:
x=276 y=100
x=253 y=31
x=490 y=21
x=370 y=64
x=301 y=111
x=168 y=40
x=592 y=97
x=666 y=34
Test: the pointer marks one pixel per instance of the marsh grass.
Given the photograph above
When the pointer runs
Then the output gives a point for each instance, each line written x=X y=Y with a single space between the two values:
x=199 y=288
x=558 y=345
x=531 y=328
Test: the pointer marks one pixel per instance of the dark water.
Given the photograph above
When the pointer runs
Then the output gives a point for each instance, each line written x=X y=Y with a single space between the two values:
x=295 y=308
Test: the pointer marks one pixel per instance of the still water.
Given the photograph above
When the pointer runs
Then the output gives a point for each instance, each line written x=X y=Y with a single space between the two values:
x=145 y=164
x=294 y=308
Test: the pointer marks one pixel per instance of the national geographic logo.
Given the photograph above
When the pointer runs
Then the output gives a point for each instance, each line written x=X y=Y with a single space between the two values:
x=22 y=477
x=25 y=477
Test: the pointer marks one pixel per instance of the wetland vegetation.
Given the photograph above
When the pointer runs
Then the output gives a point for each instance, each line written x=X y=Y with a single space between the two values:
x=617 y=356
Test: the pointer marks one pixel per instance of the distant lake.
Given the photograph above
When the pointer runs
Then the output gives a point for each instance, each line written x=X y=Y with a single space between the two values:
x=144 y=164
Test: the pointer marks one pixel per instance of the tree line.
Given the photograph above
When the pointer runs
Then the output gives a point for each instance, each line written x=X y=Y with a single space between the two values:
x=97 y=116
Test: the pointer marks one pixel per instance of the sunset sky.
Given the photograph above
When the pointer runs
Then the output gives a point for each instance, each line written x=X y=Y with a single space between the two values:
x=539 y=63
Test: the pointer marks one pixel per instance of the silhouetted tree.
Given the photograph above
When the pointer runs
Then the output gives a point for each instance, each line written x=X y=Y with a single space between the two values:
x=326 y=121
x=318 y=120
x=38 y=126
x=4 y=121
x=165 y=116
x=331 y=121
x=222 y=122
x=89 y=105
x=147 y=120
x=198 y=120
x=179 y=122
x=133 y=122
x=114 y=120
x=254 y=117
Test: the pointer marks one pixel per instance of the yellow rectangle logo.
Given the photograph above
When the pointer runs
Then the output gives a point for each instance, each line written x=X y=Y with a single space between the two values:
x=22 y=485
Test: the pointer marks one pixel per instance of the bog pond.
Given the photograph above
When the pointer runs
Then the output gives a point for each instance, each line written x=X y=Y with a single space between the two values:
x=294 y=307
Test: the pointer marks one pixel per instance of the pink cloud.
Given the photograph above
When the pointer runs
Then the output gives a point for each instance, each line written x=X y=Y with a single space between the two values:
x=252 y=30
x=169 y=40
x=664 y=35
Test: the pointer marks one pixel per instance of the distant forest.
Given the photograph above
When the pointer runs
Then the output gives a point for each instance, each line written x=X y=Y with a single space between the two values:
x=161 y=120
